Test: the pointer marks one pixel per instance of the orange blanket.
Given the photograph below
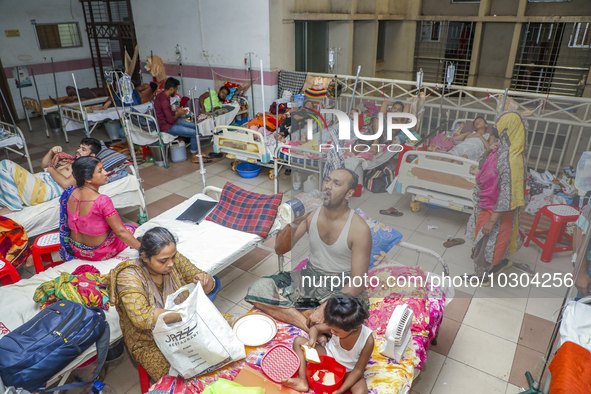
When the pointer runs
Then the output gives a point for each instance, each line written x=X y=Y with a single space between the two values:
x=571 y=370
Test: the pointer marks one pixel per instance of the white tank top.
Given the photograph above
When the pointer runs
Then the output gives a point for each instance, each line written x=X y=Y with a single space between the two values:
x=348 y=358
x=331 y=259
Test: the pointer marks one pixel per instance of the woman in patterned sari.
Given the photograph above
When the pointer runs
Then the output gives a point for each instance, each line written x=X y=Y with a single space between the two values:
x=139 y=289
x=498 y=196
x=14 y=243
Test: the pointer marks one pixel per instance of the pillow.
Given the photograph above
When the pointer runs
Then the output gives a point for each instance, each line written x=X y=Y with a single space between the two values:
x=383 y=238
x=242 y=210
x=112 y=160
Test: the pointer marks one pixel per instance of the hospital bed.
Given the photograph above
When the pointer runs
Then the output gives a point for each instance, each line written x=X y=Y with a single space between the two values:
x=13 y=136
x=208 y=124
x=44 y=217
x=47 y=106
x=433 y=178
x=73 y=118
x=210 y=246
x=438 y=178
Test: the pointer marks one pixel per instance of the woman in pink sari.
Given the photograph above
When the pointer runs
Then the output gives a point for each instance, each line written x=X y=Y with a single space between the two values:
x=498 y=196
x=90 y=227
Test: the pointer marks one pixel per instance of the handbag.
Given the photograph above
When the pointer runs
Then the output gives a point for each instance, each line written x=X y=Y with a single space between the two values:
x=202 y=341
x=43 y=346
x=378 y=179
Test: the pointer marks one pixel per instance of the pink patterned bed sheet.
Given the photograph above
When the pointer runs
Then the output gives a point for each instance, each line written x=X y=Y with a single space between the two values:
x=383 y=375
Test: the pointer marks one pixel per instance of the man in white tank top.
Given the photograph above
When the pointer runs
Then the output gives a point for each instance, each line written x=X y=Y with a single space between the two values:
x=340 y=250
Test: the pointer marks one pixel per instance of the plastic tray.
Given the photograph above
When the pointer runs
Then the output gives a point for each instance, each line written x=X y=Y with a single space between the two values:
x=280 y=362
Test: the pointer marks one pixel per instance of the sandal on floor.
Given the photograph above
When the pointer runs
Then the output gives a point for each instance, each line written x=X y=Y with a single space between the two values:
x=453 y=242
x=288 y=171
x=390 y=212
x=215 y=155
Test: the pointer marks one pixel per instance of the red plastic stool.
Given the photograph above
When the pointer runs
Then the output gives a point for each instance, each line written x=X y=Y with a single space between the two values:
x=8 y=274
x=144 y=379
x=560 y=215
x=42 y=249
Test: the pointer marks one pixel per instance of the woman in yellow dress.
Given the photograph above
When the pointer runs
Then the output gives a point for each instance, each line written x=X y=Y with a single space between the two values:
x=139 y=289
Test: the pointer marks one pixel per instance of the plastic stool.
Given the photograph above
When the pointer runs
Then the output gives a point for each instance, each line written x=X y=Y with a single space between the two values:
x=8 y=274
x=144 y=379
x=560 y=215
x=42 y=249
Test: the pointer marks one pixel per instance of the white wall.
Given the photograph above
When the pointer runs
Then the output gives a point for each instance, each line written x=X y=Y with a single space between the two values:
x=24 y=50
x=230 y=28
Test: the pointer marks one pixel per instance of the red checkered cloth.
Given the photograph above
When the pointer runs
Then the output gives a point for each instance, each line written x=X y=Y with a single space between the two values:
x=242 y=210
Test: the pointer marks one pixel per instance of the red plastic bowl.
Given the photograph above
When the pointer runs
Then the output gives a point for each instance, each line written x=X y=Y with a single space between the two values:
x=280 y=362
x=329 y=364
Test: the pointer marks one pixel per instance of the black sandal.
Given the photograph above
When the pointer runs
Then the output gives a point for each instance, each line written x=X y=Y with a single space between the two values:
x=215 y=155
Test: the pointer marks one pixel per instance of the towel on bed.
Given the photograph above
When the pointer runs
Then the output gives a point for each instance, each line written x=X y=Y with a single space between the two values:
x=246 y=211
x=19 y=188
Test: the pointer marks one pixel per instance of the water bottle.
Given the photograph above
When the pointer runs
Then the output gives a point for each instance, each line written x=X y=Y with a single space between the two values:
x=296 y=180
x=101 y=388
x=149 y=112
x=300 y=205
x=311 y=183
x=254 y=358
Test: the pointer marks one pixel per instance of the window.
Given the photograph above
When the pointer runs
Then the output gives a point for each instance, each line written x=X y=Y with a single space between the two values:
x=381 y=41
x=311 y=46
x=430 y=31
x=58 y=35
x=581 y=36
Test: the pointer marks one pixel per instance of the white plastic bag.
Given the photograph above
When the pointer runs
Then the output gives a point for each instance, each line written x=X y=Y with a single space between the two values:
x=202 y=342
x=576 y=324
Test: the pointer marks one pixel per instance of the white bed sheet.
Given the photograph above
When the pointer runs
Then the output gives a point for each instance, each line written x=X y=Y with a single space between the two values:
x=18 y=307
x=206 y=127
x=210 y=246
x=42 y=218
x=109 y=113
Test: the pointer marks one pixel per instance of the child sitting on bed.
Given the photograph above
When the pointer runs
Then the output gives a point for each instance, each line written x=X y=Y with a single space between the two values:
x=351 y=344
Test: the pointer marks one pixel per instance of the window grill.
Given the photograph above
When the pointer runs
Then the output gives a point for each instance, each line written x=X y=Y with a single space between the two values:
x=553 y=58
x=441 y=42
x=110 y=28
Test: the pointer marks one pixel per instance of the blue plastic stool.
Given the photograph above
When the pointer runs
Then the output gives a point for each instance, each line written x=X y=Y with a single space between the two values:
x=216 y=288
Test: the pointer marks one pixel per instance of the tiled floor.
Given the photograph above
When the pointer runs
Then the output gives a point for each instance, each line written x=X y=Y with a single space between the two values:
x=489 y=336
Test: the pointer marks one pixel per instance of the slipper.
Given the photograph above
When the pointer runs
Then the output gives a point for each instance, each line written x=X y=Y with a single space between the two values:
x=453 y=242
x=390 y=212
x=206 y=161
x=215 y=155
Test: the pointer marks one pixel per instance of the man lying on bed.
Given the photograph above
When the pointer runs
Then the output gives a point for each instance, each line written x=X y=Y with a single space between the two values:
x=20 y=188
x=340 y=245
x=472 y=145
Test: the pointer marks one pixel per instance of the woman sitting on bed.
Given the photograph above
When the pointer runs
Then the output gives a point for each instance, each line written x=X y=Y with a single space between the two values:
x=90 y=227
x=472 y=145
x=139 y=289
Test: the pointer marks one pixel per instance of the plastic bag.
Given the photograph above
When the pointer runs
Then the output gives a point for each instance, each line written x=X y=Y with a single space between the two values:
x=223 y=386
x=202 y=342
x=576 y=324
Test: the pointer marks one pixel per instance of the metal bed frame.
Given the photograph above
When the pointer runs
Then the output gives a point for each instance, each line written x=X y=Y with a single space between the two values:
x=17 y=132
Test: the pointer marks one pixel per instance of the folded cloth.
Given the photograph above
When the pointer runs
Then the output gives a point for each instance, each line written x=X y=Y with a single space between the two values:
x=571 y=370
x=61 y=159
x=87 y=287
